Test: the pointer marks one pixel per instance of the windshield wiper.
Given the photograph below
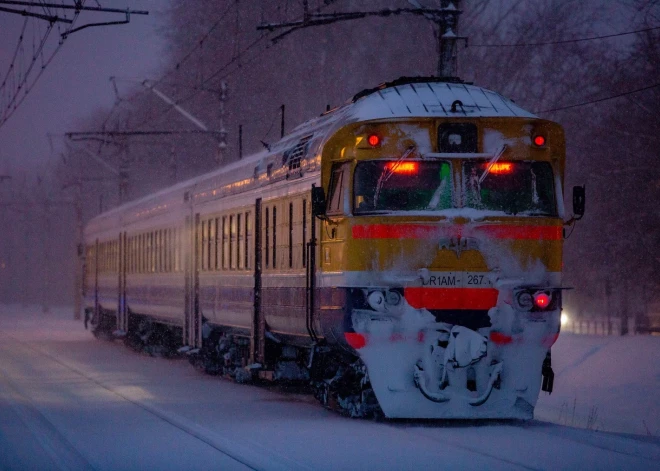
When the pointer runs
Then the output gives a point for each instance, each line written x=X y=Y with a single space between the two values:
x=388 y=172
x=492 y=162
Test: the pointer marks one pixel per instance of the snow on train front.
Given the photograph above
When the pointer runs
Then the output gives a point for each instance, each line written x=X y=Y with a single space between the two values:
x=446 y=236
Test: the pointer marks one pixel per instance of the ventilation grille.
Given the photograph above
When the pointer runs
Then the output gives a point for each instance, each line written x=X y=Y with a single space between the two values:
x=293 y=156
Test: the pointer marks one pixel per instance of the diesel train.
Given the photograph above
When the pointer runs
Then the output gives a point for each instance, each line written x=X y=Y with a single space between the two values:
x=402 y=253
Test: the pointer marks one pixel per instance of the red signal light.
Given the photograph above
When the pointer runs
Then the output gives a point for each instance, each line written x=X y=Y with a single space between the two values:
x=539 y=141
x=403 y=168
x=373 y=140
x=541 y=300
x=501 y=168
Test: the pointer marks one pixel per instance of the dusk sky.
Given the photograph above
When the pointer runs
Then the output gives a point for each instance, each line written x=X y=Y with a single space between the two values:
x=77 y=81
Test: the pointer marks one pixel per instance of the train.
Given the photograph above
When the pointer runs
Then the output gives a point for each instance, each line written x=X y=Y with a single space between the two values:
x=401 y=254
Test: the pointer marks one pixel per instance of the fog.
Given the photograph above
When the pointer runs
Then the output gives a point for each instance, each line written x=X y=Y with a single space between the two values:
x=188 y=48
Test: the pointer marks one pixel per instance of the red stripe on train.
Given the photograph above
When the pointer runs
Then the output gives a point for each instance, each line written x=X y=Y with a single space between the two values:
x=426 y=231
x=451 y=298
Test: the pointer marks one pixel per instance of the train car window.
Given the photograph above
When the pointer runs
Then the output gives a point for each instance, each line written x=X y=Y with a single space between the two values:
x=225 y=243
x=518 y=188
x=232 y=242
x=338 y=184
x=267 y=238
x=274 y=236
x=152 y=253
x=291 y=235
x=166 y=251
x=204 y=246
x=159 y=251
x=175 y=235
x=304 y=232
x=218 y=244
x=248 y=236
x=240 y=256
x=211 y=243
x=142 y=252
x=409 y=185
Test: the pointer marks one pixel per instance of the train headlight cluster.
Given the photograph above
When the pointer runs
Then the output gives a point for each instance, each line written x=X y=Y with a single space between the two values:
x=380 y=300
x=531 y=299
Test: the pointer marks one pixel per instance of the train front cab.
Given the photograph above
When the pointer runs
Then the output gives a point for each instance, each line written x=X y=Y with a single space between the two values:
x=445 y=239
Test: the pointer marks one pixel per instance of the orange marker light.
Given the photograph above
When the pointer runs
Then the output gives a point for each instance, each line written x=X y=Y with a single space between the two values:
x=539 y=141
x=501 y=168
x=403 y=168
x=373 y=140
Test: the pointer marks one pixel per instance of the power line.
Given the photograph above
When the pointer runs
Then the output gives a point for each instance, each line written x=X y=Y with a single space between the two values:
x=599 y=100
x=568 y=41
x=238 y=58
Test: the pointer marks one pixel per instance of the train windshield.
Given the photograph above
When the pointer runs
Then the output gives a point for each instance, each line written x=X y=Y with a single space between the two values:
x=402 y=185
x=525 y=188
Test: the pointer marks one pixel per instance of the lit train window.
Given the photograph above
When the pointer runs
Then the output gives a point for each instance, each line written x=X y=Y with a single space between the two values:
x=304 y=232
x=239 y=243
x=267 y=238
x=248 y=237
x=291 y=235
x=274 y=236
x=232 y=242
x=218 y=244
x=513 y=187
x=211 y=244
x=225 y=243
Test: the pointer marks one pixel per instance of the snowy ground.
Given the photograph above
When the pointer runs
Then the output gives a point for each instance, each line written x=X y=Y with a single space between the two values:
x=68 y=401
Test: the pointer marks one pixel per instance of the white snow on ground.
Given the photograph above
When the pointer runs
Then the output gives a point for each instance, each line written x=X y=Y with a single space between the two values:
x=69 y=401
x=605 y=383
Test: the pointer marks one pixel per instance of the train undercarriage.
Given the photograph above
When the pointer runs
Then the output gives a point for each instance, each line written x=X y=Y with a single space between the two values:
x=337 y=378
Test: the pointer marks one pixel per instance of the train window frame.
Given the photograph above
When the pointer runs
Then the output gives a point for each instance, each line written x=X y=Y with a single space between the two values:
x=532 y=166
x=211 y=244
x=218 y=244
x=337 y=189
x=248 y=235
x=240 y=247
x=267 y=237
x=304 y=232
x=290 y=234
x=232 y=241
x=225 y=243
x=274 y=236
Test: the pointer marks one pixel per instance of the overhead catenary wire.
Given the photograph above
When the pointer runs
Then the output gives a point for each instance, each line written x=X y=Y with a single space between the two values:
x=569 y=41
x=600 y=100
x=22 y=88
x=238 y=58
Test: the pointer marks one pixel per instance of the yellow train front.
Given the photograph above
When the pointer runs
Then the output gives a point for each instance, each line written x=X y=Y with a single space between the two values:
x=440 y=258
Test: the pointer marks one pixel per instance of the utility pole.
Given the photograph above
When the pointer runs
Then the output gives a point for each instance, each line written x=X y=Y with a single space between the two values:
x=222 y=144
x=123 y=174
x=448 y=38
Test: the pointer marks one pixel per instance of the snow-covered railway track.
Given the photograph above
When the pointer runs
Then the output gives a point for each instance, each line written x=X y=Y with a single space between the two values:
x=235 y=455
x=510 y=441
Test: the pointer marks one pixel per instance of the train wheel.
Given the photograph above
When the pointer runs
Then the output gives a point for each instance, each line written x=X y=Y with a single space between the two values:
x=348 y=391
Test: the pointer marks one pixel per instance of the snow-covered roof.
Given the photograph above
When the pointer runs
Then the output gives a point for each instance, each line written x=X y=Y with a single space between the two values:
x=435 y=99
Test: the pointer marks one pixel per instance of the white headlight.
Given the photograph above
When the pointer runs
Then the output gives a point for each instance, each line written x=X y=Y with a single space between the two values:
x=564 y=319
x=376 y=300
x=393 y=298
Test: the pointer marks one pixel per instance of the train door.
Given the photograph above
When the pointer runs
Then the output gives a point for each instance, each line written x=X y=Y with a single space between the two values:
x=258 y=327
x=122 y=308
x=192 y=325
